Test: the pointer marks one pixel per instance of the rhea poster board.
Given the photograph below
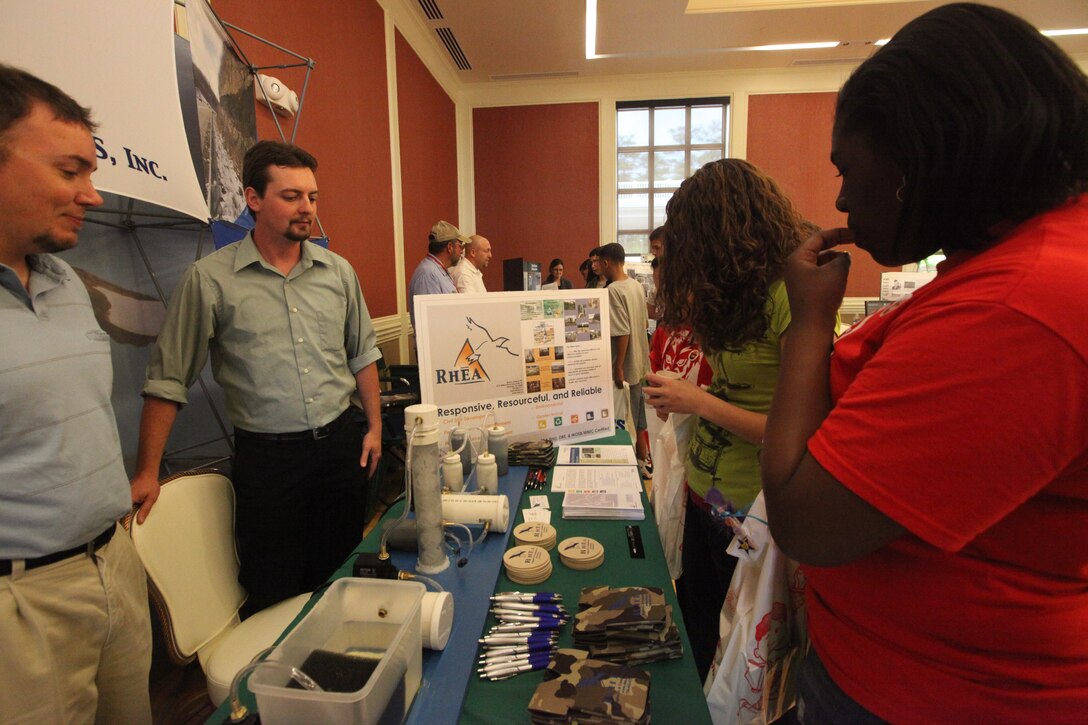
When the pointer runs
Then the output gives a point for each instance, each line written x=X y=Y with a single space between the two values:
x=537 y=363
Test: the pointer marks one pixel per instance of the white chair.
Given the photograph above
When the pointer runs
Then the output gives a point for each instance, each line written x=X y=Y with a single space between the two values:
x=187 y=547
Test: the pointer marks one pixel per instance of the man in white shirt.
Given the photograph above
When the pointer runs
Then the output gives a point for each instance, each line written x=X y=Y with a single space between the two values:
x=469 y=274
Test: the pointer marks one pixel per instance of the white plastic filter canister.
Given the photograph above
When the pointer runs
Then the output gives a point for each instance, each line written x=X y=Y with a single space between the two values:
x=469 y=508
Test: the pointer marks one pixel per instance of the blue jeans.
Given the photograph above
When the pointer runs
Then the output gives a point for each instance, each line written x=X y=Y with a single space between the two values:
x=821 y=702
x=638 y=409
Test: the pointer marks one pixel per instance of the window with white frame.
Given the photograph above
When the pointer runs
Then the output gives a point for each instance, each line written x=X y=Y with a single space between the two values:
x=658 y=145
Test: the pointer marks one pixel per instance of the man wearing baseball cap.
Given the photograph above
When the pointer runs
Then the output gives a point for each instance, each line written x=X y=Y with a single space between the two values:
x=432 y=277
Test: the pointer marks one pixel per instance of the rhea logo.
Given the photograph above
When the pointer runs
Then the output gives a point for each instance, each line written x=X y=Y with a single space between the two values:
x=468 y=367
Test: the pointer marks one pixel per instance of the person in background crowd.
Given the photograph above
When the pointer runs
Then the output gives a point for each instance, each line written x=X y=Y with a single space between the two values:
x=555 y=274
x=586 y=270
x=657 y=249
x=445 y=245
x=630 y=344
x=291 y=341
x=74 y=625
x=596 y=279
x=657 y=242
x=729 y=231
x=468 y=276
x=946 y=552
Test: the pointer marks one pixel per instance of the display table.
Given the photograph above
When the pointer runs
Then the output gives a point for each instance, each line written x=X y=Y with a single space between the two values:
x=676 y=693
x=450 y=684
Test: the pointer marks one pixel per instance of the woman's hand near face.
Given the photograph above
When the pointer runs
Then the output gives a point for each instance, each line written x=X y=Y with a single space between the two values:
x=816 y=278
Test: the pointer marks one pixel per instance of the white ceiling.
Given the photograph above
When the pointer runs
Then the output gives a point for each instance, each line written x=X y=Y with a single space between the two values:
x=504 y=40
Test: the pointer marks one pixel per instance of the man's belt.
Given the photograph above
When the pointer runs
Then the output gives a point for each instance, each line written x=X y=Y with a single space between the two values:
x=312 y=434
x=89 y=548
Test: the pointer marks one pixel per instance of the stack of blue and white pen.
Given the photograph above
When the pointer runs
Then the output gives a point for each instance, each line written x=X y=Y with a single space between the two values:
x=526 y=635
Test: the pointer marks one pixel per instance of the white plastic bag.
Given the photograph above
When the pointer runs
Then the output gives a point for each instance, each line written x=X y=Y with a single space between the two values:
x=762 y=630
x=653 y=423
x=669 y=452
x=621 y=410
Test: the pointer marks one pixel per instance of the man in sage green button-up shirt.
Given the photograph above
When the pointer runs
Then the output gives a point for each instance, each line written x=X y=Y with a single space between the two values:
x=290 y=341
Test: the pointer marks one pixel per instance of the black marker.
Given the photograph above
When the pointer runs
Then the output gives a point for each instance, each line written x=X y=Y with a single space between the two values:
x=634 y=543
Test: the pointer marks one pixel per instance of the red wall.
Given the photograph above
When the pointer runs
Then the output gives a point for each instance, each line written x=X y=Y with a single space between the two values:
x=537 y=189
x=789 y=137
x=345 y=122
x=428 y=153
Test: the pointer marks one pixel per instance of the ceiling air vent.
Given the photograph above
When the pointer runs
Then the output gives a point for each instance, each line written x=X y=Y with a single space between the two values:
x=430 y=9
x=454 y=48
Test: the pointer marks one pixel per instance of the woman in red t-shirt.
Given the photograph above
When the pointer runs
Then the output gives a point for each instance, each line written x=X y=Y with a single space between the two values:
x=674 y=349
x=932 y=471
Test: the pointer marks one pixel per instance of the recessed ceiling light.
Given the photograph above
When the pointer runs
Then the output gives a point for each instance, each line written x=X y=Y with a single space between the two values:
x=726 y=6
x=1065 y=31
x=793 y=46
x=591 y=29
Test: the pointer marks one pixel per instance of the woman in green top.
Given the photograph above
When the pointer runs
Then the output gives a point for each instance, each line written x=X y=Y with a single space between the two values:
x=728 y=232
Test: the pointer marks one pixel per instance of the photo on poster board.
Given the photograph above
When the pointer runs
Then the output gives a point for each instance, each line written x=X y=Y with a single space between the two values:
x=223 y=94
x=537 y=363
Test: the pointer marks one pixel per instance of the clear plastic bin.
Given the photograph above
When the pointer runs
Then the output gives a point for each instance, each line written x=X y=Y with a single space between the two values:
x=373 y=621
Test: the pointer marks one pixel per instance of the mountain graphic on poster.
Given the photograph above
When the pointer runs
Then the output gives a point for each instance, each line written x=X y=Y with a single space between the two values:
x=469 y=359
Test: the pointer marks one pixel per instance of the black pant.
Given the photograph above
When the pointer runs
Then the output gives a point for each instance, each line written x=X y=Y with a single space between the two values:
x=702 y=587
x=822 y=702
x=300 y=510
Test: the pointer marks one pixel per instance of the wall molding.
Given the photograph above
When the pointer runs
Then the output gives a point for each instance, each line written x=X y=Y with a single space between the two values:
x=466 y=170
x=387 y=329
x=395 y=179
x=656 y=85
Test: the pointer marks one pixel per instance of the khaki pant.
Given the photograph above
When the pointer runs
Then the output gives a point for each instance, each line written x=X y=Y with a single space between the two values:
x=75 y=640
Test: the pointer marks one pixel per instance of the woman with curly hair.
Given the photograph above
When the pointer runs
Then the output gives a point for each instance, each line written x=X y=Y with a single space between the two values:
x=729 y=229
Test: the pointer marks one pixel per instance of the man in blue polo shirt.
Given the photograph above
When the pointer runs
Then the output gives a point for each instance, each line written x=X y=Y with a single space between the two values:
x=74 y=627
x=445 y=245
